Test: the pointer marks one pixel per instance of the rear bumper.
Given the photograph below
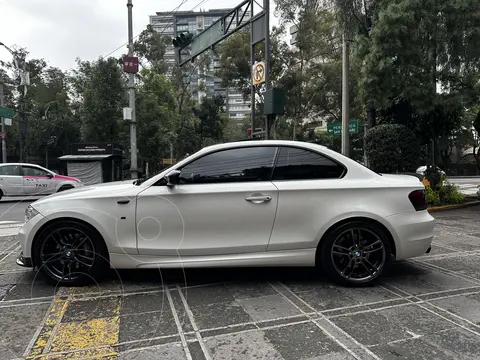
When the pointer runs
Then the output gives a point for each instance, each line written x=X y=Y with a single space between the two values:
x=412 y=233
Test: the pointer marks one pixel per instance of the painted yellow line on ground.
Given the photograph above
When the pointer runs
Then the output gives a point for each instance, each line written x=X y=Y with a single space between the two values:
x=89 y=339
x=56 y=314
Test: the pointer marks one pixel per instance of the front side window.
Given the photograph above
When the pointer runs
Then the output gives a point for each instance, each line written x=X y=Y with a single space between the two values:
x=233 y=165
x=32 y=171
x=10 y=170
x=300 y=164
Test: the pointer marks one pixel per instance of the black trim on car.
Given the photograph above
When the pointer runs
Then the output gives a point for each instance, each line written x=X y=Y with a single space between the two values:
x=24 y=261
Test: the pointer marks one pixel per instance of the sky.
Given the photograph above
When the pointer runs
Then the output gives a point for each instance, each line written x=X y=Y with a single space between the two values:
x=59 y=31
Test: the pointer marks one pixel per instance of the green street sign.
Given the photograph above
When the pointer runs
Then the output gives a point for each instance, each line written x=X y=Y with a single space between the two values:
x=336 y=128
x=6 y=112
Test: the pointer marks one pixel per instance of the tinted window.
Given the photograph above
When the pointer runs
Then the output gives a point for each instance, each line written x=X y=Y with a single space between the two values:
x=234 y=165
x=13 y=170
x=32 y=171
x=300 y=164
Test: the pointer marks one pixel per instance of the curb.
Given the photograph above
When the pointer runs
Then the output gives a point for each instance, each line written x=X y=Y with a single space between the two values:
x=452 y=207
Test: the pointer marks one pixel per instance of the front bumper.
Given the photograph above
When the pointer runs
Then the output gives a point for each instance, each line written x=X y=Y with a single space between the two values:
x=23 y=261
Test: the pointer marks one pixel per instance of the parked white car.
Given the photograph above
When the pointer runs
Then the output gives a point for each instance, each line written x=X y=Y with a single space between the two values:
x=17 y=179
x=255 y=203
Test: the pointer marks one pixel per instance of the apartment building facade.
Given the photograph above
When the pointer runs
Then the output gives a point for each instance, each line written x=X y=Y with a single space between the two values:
x=171 y=24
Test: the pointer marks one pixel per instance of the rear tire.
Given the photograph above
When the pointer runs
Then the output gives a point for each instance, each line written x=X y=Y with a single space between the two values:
x=70 y=253
x=356 y=253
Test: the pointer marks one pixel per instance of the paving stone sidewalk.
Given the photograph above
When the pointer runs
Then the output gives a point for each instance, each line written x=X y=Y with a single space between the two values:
x=424 y=308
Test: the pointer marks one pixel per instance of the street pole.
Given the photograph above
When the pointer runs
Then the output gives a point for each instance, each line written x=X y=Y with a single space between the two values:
x=365 y=160
x=131 y=99
x=345 y=98
x=266 y=8
x=252 y=62
x=4 y=141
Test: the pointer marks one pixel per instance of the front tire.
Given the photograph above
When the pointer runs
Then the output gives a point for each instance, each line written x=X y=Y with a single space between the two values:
x=70 y=253
x=65 y=187
x=356 y=253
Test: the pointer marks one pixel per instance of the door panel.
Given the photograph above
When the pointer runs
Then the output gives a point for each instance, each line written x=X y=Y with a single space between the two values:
x=224 y=203
x=11 y=180
x=36 y=181
x=204 y=219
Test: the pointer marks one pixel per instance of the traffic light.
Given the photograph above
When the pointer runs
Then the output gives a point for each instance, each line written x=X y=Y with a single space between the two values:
x=258 y=134
x=182 y=40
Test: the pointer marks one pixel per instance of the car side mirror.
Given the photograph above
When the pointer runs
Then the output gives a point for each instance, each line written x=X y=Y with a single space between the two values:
x=49 y=175
x=173 y=178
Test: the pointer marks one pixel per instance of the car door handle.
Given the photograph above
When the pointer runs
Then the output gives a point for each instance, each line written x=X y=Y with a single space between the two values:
x=258 y=199
x=123 y=202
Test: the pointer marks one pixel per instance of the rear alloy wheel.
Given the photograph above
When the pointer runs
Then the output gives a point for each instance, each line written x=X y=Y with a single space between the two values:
x=356 y=253
x=70 y=253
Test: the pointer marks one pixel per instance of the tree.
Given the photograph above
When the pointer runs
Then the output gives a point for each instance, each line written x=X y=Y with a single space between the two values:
x=211 y=120
x=100 y=87
x=156 y=111
x=392 y=148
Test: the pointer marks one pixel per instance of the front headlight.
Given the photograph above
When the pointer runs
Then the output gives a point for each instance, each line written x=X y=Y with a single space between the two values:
x=30 y=213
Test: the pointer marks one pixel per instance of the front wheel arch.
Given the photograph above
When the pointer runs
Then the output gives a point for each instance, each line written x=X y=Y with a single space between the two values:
x=63 y=219
x=352 y=219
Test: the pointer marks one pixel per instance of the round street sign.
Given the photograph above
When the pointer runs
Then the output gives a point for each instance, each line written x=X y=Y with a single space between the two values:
x=258 y=73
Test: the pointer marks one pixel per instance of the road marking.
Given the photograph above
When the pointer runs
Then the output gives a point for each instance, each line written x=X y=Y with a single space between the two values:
x=194 y=324
x=329 y=322
x=179 y=325
x=93 y=338
x=56 y=313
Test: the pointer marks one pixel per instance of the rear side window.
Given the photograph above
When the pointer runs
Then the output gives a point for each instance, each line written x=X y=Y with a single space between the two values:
x=301 y=164
x=12 y=170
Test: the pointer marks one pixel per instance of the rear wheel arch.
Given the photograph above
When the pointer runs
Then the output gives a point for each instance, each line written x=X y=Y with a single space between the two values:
x=52 y=222
x=352 y=219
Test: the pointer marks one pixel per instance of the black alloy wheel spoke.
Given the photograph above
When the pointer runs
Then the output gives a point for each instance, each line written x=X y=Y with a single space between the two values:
x=358 y=256
x=67 y=253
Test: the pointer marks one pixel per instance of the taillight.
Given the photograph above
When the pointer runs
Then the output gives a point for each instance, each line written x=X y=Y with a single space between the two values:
x=418 y=200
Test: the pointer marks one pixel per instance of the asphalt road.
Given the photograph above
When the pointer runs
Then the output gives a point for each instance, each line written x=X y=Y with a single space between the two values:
x=424 y=308
x=13 y=210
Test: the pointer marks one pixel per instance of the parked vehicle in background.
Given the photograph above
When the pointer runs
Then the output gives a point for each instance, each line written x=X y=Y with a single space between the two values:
x=18 y=179
x=255 y=203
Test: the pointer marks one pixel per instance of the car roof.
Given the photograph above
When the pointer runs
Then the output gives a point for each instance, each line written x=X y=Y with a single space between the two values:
x=21 y=164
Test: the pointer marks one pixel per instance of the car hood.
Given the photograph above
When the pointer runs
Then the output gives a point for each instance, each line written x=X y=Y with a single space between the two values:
x=120 y=188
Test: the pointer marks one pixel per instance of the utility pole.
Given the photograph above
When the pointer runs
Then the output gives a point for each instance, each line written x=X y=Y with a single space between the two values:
x=266 y=8
x=131 y=99
x=4 y=141
x=345 y=98
x=252 y=61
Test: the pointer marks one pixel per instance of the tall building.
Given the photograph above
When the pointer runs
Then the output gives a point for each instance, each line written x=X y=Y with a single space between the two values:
x=171 y=24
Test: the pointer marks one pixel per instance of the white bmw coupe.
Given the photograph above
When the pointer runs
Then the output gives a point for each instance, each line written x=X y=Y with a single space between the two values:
x=252 y=203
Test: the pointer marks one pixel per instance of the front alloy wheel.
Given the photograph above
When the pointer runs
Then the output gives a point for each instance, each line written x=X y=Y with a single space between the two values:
x=69 y=253
x=356 y=253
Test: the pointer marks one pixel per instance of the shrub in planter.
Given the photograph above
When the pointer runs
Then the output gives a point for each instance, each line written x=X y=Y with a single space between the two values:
x=433 y=198
x=449 y=194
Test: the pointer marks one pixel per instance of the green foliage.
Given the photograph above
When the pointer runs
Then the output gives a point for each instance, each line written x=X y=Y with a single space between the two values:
x=433 y=198
x=392 y=148
x=447 y=194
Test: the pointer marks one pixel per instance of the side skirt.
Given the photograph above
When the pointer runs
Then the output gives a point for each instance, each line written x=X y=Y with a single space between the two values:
x=304 y=257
